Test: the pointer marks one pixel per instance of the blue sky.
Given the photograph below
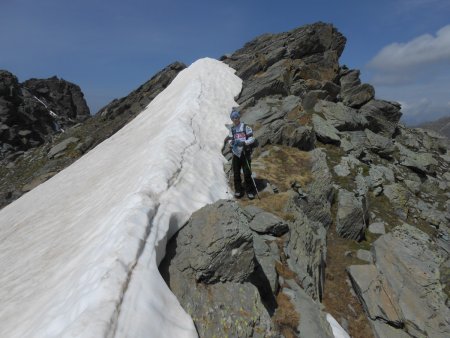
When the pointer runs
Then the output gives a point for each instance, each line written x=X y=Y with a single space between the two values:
x=109 y=48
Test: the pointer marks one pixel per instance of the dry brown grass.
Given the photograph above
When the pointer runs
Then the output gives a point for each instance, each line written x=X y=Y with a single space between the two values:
x=283 y=165
x=338 y=299
x=286 y=318
x=284 y=271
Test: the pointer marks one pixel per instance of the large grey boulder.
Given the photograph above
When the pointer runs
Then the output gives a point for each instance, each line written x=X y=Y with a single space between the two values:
x=383 y=116
x=325 y=132
x=340 y=116
x=379 y=144
x=219 y=242
x=403 y=288
x=210 y=266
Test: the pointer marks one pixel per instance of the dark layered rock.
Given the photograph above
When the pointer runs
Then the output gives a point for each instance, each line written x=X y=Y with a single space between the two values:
x=352 y=215
x=30 y=113
x=383 y=116
x=63 y=98
x=353 y=93
x=288 y=63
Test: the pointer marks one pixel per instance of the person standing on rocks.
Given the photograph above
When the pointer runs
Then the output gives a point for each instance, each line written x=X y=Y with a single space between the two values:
x=241 y=139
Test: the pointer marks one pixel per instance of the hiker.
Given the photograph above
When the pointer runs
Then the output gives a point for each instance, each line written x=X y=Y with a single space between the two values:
x=241 y=138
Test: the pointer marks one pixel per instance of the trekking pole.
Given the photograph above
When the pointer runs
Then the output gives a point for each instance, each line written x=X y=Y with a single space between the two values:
x=254 y=183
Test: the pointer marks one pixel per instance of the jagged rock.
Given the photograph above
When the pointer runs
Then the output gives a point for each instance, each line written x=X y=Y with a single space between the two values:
x=265 y=223
x=287 y=63
x=210 y=267
x=422 y=140
x=312 y=98
x=431 y=214
x=379 y=144
x=341 y=117
x=287 y=133
x=423 y=163
x=325 y=132
x=62 y=146
x=267 y=255
x=383 y=116
x=348 y=163
x=315 y=202
x=307 y=250
x=379 y=175
x=63 y=98
x=353 y=93
x=403 y=288
x=270 y=109
x=33 y=111
x=400 y=198
x=352 y=215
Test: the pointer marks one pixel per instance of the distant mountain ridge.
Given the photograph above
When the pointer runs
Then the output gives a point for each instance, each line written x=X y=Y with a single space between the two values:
x=442 y=126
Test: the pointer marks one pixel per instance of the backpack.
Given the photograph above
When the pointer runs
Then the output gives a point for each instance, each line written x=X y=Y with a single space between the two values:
x=249 y=148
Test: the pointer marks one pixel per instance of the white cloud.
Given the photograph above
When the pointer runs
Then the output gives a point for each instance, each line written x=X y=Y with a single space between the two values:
x=422 y=51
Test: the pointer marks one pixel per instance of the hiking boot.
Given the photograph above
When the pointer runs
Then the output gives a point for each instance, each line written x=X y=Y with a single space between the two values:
x=251 y=195
x=238 y=194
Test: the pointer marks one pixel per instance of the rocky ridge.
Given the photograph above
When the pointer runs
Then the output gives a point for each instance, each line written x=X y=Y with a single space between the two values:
x=369 y=195
x=21 y=171
x=354 y=210
x=35 y=110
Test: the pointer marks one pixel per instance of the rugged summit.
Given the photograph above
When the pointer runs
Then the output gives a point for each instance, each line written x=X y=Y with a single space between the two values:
x=33 y=111
x=365 y=202
x=354 y=213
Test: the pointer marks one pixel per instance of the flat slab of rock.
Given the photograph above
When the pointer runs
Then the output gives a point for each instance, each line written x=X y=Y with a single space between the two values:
x=403 y=287
x=62 y=146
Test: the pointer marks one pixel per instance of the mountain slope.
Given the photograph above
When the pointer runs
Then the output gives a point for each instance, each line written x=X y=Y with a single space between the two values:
x=442 y=126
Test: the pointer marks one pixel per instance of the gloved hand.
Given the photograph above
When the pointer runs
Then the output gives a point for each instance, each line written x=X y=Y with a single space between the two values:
x=239 y=143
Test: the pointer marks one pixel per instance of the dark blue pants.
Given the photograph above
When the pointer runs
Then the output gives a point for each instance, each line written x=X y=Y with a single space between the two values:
x=245 y=163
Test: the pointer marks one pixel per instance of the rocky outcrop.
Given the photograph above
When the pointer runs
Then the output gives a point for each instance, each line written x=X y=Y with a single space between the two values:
x=31 y=112
x=37 y=115
x=222 y=267
x=212 y=272
x=401 y=292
